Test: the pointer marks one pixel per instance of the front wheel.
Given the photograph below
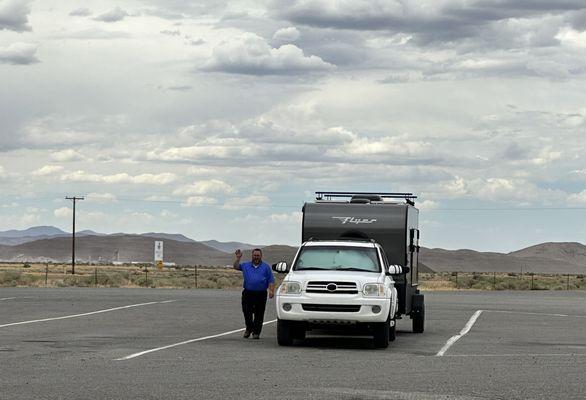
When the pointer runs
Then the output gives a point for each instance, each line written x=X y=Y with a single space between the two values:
x=393 y=330
x=381 y=335
x=284 y=334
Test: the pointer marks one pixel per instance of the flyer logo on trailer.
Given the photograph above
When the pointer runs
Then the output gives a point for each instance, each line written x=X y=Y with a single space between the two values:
x=353 y=220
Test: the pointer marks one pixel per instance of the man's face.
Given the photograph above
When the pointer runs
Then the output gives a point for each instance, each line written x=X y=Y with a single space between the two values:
x=256 y=257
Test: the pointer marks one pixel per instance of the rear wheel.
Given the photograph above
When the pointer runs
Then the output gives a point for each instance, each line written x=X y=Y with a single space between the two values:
x=381 y=334
x=284 y=333
x=419 y=320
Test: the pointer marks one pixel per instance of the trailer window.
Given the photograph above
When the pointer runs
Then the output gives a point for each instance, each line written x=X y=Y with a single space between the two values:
x=337 y=258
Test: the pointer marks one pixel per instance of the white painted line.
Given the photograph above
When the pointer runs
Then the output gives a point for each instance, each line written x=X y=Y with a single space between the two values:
x=142 y=353
x=79 y=315
x=533 y=313
x=7 y=298
x=168 y=301
x=520 y=355
x=464 y=331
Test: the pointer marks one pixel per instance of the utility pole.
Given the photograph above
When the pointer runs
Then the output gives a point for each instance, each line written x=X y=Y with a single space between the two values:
x=74 y=199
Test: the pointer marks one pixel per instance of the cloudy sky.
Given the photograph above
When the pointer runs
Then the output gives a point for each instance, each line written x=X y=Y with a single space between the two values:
x=219 y=119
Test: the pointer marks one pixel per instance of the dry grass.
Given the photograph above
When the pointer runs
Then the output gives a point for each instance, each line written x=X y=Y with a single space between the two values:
x=59 y=275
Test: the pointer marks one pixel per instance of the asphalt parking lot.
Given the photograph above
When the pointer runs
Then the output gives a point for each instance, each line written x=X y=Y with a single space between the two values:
x=151 y=344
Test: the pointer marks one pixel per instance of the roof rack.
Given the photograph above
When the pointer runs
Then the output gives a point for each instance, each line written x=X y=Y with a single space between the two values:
x=409 y=197
x=341 y=239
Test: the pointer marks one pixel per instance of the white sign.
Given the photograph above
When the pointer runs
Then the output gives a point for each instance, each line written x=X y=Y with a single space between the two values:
x=158 y=251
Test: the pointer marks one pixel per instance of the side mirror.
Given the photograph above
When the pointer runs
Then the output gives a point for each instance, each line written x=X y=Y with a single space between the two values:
x=281 y=267
x=397 y=270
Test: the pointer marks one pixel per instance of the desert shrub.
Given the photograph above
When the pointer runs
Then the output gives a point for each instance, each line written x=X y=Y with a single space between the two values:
x=10 y=278
x=26 y=265
x=113 y=279
x=223 y=282
x=206 y=284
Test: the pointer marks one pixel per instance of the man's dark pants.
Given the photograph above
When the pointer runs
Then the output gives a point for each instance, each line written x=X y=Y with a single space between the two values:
x=253 y=307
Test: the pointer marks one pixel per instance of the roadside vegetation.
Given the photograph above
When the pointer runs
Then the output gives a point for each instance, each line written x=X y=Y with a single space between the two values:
x=202 y=277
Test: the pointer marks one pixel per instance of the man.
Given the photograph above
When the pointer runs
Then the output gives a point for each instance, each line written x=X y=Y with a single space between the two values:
x=258 y=277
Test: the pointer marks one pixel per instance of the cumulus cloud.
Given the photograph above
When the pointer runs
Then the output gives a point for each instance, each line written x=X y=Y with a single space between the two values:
x=431 y=20
x=19 y=54
x=249 y=54
x=286 y=35
x=577 y=198
x=194 y=201
x=14 y=15
x=237 y=203
x=205 y=187
x=150 y=179
x=81 y=12
x=47 y=170
x=67 y=155
x=101 y=198
x=287 y=218
x=114 y=15
x=63 y=212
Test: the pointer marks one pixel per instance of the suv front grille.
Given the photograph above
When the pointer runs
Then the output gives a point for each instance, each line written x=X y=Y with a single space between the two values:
x=331 y=307
x=332 y=287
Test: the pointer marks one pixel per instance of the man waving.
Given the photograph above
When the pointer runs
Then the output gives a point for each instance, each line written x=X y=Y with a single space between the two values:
x=258 y=277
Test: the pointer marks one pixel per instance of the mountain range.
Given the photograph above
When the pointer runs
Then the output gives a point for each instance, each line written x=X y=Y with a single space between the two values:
x=50 y=244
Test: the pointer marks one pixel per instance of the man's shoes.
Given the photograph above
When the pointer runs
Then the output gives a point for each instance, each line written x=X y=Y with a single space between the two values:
x=256 y=336
x=246 y=334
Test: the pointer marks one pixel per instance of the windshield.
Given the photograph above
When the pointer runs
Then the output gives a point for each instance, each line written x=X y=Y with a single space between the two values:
x=337 y=258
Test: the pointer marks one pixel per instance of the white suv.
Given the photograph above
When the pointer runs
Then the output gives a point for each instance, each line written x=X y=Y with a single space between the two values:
x=341 y=282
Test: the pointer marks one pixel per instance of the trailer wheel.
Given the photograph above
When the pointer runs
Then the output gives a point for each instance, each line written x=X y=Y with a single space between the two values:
x=393 y=330
x=419 y=320
x=418 y=312
x=284 y=337
x=381 y=335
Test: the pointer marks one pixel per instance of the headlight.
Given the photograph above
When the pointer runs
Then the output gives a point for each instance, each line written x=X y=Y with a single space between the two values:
x=374 y=289
x=290 y=288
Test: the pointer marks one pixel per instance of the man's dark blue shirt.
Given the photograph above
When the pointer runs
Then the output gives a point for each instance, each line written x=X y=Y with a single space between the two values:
x=256 y=278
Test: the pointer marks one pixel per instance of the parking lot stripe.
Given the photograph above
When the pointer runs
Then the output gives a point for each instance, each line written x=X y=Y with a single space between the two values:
x=78 y=315
x=533 y=313
x=464 y=331
x=185 y=342
x=7 y=298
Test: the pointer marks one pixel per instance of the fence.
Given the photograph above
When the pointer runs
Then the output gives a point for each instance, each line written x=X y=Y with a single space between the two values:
x=197 y=276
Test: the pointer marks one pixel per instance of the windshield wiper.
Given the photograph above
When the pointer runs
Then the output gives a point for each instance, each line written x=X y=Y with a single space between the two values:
x=353 y=269
x=311 y=269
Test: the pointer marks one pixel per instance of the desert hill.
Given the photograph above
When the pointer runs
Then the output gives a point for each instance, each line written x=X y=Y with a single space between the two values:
x=558 y=258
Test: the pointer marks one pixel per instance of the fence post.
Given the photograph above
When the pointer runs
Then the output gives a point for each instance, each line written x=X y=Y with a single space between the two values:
x=96 y=277
x=568 y=283
x=46 y=273
x=532 y=275
x=146 y=272
x=195 y=275
x=457 y=286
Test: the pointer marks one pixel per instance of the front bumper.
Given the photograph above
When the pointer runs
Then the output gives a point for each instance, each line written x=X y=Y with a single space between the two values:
x=365 y=313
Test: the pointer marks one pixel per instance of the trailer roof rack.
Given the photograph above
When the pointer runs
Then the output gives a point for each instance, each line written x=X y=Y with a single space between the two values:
x=409 y=197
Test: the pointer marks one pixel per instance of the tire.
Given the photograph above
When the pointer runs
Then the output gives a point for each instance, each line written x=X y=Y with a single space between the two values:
x=284 y=333
x=381 y=335
x=418 y=313
x=393 y=331
x=298 y=331
x=419 y=320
